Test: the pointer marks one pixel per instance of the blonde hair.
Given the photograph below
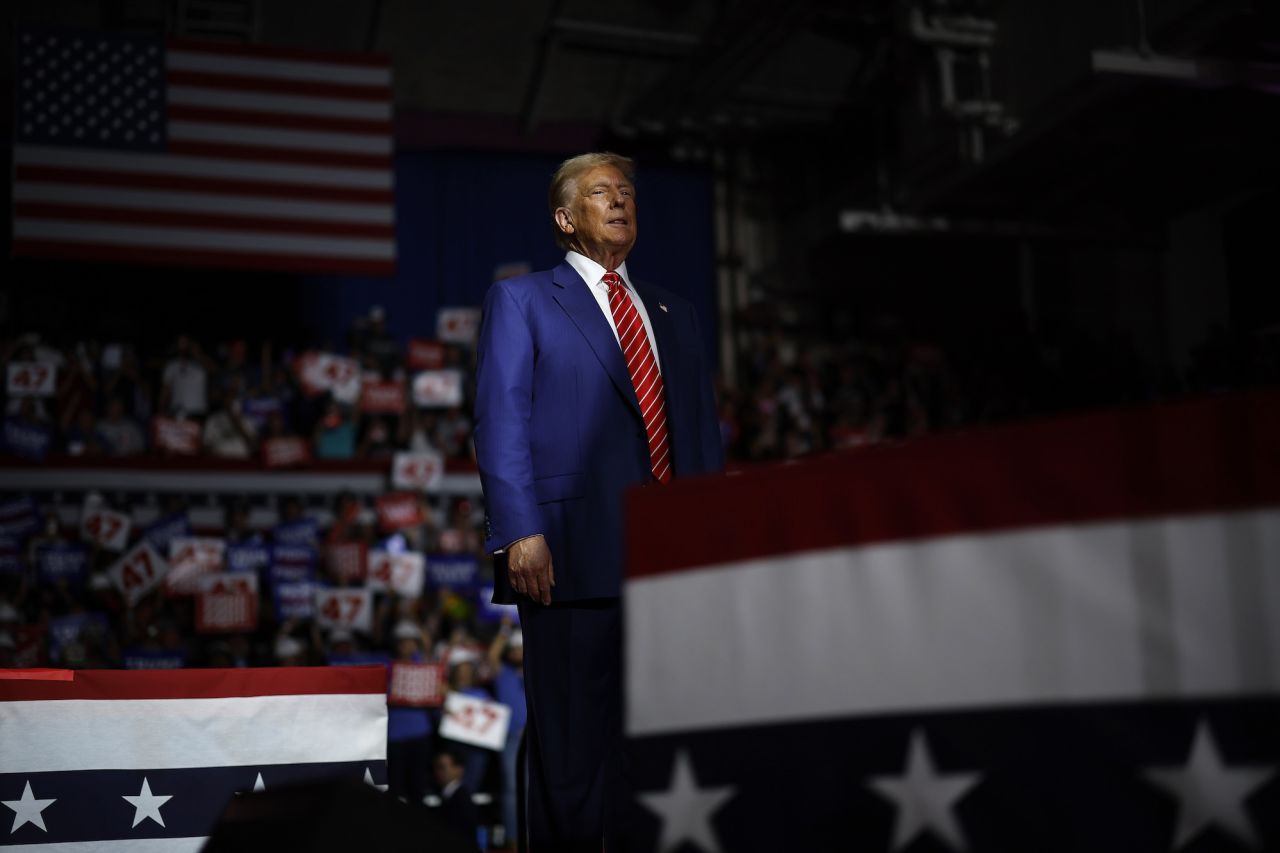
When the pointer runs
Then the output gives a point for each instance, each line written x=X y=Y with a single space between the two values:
x=566 y=177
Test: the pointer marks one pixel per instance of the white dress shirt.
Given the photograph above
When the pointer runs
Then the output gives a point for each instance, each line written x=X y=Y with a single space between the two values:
x=592 y=273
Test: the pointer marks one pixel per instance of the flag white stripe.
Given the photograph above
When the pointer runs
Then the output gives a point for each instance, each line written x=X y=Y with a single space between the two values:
x=1121 y=611
x=276 y=69
x=202 y=167
x=188 y=202
x=269 y=137
x=310 y=105
x=159 y=734
x=155 y=236
x=119 y=845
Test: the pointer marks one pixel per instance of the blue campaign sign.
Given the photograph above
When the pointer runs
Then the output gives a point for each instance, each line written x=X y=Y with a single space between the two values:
x=162 y=530
x=78 y=627
x=11 y=562
x=360 y=659
x=294 y=599
x=25 y=439
x=300 y=531
x=456 y=571
x=154 y=659
x=19 y=518
x=487 y=611
x=260 y=409
x=247 y=557
x=62 y=561
x=294 y=555
x=292 y=590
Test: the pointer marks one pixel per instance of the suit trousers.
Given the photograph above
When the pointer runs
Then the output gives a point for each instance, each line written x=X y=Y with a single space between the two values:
x=573 y=685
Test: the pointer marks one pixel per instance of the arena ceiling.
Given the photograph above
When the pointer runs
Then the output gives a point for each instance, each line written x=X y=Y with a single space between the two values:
x=847 y=89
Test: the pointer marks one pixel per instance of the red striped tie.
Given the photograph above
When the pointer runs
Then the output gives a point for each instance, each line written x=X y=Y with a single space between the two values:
x=645 y=377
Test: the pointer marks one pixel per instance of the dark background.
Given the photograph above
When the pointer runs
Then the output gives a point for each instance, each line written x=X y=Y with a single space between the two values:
x=1046 y=202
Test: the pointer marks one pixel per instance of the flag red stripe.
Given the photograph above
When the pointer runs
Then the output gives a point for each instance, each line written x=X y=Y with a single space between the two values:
x=1198 y=456
x=202 y=683
x=225 y=186
x=36 y=674
x=203 y=258
x=286 y=121
x=231 y=151
x=42 y=210
x=237 y=83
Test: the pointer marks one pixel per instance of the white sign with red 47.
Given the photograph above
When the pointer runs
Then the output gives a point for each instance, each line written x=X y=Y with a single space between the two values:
x=402 y=573
x=32 y=379
x=351 y=609
x=323 y=371
x=438 y=388
x=475 y=721
x=137 y=573
x=105 y=528
x=420 y=470
x=190 y=557
x=457 y=325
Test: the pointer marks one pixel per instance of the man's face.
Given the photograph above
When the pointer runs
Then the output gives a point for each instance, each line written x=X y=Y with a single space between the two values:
x=602 y=213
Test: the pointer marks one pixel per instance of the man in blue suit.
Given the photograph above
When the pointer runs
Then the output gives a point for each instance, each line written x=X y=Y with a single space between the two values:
x=587 y=383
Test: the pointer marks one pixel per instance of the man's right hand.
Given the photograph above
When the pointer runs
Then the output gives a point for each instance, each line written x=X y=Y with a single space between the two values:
x=529 y=568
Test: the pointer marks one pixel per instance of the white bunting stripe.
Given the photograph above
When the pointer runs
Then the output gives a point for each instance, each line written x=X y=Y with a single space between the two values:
x=84 y=734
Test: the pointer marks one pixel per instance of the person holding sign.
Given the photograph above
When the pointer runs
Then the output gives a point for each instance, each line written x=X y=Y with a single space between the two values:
x=409 y=728
x=587 y=383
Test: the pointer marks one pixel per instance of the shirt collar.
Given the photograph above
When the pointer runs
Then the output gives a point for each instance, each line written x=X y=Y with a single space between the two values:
x=592 y=272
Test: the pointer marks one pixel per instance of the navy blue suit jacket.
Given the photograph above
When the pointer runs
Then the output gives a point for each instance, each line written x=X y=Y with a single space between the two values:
x=558 y=431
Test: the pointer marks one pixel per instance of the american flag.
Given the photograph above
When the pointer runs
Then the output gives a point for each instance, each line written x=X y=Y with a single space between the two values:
x=147 y=760
x=1054 y=637
x=132 y=148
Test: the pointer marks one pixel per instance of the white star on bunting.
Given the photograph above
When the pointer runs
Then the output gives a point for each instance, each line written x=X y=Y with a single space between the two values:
x=28 y=809
x=686 y=809
x=368 y=780
x=924 y=798
x=147 y=805
x=1210 y=792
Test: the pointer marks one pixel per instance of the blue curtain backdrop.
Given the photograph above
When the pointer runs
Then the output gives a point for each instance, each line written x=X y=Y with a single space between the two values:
x=461 y=216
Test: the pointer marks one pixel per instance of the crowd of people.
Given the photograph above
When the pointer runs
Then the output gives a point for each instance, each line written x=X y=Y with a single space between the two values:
x=64 y=603
x=801 y=395
x=115 y=400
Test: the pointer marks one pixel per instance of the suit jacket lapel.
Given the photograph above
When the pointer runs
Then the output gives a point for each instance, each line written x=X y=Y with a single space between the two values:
x=575 y=298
